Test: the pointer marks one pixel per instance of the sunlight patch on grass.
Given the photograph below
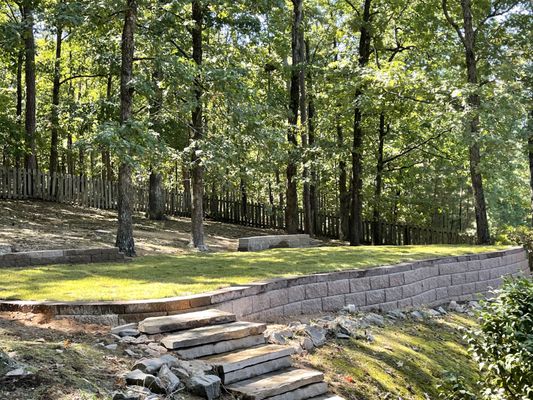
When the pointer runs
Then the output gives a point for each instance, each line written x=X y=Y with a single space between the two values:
x=174 y=275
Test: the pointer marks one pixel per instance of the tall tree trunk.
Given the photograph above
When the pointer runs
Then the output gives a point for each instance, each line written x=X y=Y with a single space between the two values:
x=313 y=176
x=304 y=123
x=106 y=156
x=54 y=117
x=482 y=224
x=376 y=214
x=29 y=72
x=356 y=216
x=20 y=62
x=291 y=210
x=344 y=195
x=156 y=195
x=530 y=156
x=197 y=169
x=125 y=241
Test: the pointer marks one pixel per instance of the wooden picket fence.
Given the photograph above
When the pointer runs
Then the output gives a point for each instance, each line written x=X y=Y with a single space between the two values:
x=97 y=193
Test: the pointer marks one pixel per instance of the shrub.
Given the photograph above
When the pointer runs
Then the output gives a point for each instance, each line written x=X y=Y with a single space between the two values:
x=503 y=344
x=454 y=388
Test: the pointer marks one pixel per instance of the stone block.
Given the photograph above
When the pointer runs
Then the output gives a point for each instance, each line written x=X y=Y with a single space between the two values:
x=296 y=293
x=443 y=281
x=472 y=276
x=357 y=299
x=260 y=302
x=359 y=284
x=469 y=288
x=474 y=265
x=292 y=309
x=315 y=290
x=311 y=306
x=301 y=280
x=393 y=293
x=379 y=282
x=243 y=306
x=458 y=279
x=441 y=293
x=375 y=297
x=338 y=287
x=396 y=279
x=484 y=275
x=482 y=287
x=389 y=306
x=453 y=268
x=455 y=291
x=333 y=303
x=279 y=297
x=405 y=303
x=424 y=298
x=412 y=289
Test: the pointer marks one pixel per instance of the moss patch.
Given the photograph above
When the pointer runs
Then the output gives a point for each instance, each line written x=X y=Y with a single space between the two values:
x=407 y=360
x=174 y=275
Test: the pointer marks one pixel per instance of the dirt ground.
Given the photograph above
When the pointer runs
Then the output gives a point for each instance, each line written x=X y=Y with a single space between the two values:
x=37 y=225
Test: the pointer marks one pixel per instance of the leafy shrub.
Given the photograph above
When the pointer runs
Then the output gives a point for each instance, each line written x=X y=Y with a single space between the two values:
x=516 y=235
x=503 y=344
x=454 y=388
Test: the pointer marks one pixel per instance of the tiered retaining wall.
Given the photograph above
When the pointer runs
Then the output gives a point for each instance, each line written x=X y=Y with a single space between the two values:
x=70 y=256
x=406 y=285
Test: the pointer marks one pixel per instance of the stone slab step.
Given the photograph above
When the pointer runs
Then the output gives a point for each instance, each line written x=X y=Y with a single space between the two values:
x=185 y=321
x=327 y=396
x=236 y=360
x=275 y=383
x=220 y=347
x=256 y=370
x=211 y=334
x=303 y=393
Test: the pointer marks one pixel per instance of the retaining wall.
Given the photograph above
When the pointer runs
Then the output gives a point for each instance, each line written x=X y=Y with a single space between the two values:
x=70 y=256
x=406 y=285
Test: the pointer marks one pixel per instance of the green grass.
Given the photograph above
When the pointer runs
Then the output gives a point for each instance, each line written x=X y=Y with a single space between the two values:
x=165 y=276
x=407 y=360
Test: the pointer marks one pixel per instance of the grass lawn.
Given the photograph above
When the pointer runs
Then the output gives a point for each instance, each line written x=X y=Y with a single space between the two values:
x=407 y=360
x=167 y=275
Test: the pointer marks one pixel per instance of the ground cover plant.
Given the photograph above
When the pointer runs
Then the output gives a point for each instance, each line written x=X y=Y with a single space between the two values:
x=172 y=275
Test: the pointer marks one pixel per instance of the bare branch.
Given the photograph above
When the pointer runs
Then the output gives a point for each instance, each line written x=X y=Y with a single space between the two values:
x=82 y=76
x=183 y=52
x=412 y=148
x=452 y=22
x=496 y=12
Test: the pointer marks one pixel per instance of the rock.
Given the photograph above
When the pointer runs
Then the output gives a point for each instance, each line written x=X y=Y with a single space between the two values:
x=396 y=314
x=137 y=377
x=131 y=353
x=280 y=337
x=128 y=395
x=129 y=332
x=442 y=311
x=149 y=365
x=453 y=306
x=374 y=319
x=417 y=315
x=307 y=344
x=117 y=329
x=169 y=360
x=342 y=336
x=317 y=335
x=351 y=308
x=207 y=386
x=170 y=381
x=17 y=373
x=431 y=313
x=346 y=326
x=112 y=346
x=474 y=305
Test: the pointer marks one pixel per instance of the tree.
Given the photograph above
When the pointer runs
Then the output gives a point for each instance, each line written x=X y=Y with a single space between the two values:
x=124 y=240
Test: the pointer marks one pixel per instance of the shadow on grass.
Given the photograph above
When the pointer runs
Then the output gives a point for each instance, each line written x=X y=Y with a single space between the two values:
x=168 y=275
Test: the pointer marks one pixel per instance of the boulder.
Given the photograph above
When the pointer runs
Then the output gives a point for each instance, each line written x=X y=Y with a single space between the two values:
x=317 y=334
x=170 y=381
x=139 y=378
x=149 y=365
x=207 y=386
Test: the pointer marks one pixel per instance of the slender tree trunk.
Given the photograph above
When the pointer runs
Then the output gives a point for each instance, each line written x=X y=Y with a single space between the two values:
x=20 y=62
x=106 y=156
x=54 y=117
x=482 y=224
x=125 y=241
x=530 y=156
x=156 y=194
x=29 y=72
x=344 y=195
x=197 y=169
x=376 y=214
x=291 y=210
x=313 y=176
x=356 y=216
x=304 y=123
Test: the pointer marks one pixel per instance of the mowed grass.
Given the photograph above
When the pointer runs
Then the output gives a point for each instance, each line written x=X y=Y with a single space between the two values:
x=407 y=360
x=153 y=277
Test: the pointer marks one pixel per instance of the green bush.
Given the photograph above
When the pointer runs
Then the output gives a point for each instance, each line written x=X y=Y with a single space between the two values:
x=503 y=344
x=454 y=388
x=515 y=235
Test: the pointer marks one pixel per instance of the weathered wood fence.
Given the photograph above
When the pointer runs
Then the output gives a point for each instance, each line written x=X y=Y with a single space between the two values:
x=97 y=193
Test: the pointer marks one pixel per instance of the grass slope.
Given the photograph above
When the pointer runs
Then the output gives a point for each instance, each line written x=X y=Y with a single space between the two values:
x=165 y=276
x=407 y=360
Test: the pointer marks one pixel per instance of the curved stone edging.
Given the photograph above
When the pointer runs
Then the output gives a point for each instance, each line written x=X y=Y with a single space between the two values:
x=425 y=282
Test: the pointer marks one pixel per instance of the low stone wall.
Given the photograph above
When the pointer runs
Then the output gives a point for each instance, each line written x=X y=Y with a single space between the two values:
x=257 y=243
x=406 y=285
x=70 y=256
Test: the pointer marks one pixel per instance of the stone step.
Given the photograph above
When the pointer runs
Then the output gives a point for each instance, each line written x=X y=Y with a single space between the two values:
x=303 y=393
x=185 y=321
x=275 y=383
x=327 y=396
x=211 y=334
x=236 y=360
x=256 y=370
x=220 y=347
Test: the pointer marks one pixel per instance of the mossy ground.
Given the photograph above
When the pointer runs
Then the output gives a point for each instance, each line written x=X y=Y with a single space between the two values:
x=407 y=360
x=174 y=275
